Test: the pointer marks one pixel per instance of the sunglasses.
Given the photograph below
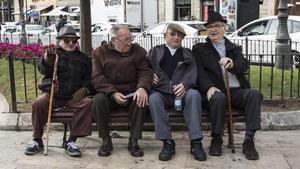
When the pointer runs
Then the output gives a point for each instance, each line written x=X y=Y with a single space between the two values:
x=68 y=40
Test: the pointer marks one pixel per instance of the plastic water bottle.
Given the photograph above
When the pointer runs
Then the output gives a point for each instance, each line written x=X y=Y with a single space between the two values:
x=178 y=103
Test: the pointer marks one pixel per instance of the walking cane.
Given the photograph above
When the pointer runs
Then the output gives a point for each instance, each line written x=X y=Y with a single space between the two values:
x=53 y=87
x=231 y=139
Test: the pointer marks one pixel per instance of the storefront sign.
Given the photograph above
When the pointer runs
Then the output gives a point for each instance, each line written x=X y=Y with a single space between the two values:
x=228 y=9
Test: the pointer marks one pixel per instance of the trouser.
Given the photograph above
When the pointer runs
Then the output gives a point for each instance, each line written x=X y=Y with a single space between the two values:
x=81 y=124
x=192 y=111
x=248 y=100
x=102 y=107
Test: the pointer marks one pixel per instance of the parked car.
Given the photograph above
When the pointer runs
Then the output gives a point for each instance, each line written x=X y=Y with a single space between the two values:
x=192 y=28
x=261 y=35
x=104 y=28
x=32 y=31
x=100 y=31
x=153 y=35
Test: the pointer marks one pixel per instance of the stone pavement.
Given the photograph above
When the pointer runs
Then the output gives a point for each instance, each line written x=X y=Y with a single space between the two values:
x=278 y=150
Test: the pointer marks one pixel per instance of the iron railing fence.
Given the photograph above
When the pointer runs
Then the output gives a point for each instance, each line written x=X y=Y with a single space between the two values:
x=275 y=84
x=250 y=47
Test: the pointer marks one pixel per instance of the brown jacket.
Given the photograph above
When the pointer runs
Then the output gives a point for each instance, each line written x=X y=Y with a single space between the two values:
x=117 y=72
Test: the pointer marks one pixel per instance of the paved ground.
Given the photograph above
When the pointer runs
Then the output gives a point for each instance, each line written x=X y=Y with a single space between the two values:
x=278 y=150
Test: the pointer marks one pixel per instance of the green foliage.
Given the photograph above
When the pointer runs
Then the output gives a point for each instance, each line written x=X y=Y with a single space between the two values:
x=19 y=80
x=290 y=77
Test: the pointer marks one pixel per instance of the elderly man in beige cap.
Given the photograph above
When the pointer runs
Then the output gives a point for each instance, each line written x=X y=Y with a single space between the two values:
x=175 y=74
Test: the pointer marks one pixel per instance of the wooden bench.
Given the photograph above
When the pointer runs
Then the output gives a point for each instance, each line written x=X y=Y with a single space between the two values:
x=120 y=117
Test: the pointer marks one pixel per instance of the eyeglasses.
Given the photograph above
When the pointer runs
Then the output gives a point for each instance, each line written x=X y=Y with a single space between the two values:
x=179 y=34
x=125 y=40
x=68 y=40
x=215 y=26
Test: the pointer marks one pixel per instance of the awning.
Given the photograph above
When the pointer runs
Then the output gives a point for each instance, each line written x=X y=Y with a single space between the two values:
x=40 y=9
x=75 y=9
x=58 y=11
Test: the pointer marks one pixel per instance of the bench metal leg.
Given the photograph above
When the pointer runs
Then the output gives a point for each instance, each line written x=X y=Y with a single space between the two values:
x=65 y=135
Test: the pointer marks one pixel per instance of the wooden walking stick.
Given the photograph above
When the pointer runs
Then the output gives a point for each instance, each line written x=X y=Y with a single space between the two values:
x=53 y=87
x=230 y=129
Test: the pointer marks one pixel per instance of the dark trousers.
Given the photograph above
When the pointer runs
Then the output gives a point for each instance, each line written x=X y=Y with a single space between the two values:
x=102 y=107
x=248 y=100
x=81 y=124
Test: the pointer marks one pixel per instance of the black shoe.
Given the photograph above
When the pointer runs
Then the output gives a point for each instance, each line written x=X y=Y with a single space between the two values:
x=34 y=147
x=198 y=151
x=167 y=151
x=134 y=148
x=215 y=148
x=106 y=147
x=249 y=150
x=72 y=149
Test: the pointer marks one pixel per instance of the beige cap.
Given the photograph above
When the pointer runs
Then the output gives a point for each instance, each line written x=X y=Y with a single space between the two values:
x=175 y=27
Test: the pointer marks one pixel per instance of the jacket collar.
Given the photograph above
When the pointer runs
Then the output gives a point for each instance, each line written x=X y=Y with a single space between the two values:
x=229 y=45
x=187 y=57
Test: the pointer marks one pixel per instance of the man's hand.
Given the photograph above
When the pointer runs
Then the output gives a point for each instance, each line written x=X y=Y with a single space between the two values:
x=120 y=98
x=80 y=94
x=211 y=91
x=141 y=97
x=226 y=62
x=179 y=90
x=155 y=79
x=50 y=55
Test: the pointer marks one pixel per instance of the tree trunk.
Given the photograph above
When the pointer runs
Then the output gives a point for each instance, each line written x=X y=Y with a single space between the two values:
x=85 y=27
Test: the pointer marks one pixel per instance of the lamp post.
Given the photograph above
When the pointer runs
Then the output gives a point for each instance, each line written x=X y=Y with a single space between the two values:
x=23 y=39
x=142 y=16
x=283 y=48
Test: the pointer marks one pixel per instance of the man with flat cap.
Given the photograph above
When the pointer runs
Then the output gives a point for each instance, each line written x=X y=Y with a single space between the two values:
x=212 y=58
x=73 y=84
x=175 y=74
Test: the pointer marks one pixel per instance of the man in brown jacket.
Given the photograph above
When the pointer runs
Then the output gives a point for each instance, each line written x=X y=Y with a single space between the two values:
x=120 y=68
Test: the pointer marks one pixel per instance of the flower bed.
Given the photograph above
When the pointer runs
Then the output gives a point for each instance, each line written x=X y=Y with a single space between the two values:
x=19 y=51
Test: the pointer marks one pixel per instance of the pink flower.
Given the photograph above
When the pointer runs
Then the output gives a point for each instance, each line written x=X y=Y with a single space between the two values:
x=22 y=51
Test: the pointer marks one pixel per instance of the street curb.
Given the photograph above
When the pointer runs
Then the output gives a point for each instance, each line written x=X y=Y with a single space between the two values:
x=289 y=120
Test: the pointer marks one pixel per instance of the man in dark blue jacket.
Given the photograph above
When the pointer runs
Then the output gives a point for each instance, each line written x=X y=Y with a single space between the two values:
x=212 y=58
x=175 y=74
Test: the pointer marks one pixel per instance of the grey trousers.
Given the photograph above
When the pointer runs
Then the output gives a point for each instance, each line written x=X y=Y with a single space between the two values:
x=248 y=100
x=102 y=107
x=159 y=102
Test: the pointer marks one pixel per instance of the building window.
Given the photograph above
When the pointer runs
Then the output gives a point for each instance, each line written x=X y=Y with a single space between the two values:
x=182 y=10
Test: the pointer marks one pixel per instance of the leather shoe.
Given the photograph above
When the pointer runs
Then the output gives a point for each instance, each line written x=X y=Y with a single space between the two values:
x=249 y=150
x=198 y=151
x=215 y=148
x=106 y=147
x=134 y=148
x=167 y=151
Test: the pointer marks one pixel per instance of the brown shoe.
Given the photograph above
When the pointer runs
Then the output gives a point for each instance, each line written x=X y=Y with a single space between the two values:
x=106 y=147
x=134 y=148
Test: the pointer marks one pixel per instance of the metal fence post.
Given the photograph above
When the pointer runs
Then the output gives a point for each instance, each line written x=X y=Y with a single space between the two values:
x=12 y=84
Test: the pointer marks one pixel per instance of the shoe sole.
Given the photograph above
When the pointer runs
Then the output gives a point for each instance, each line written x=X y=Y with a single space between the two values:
x=74 y=154
x=215 y=154
x=33 y=153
